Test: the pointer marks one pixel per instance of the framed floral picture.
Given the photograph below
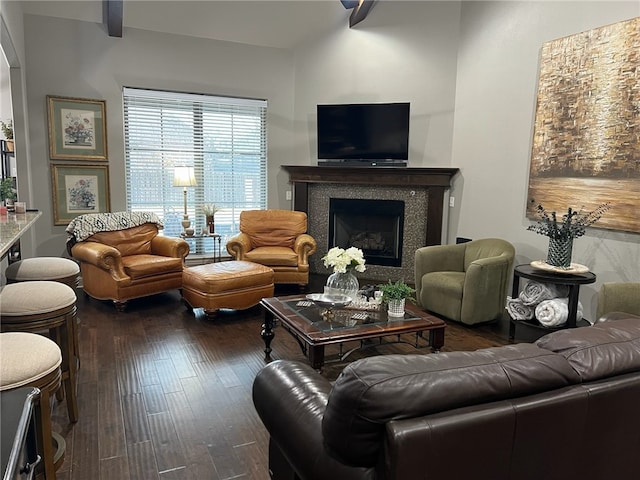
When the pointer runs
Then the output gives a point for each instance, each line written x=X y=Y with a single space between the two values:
x=77 y=128
x=79 y=189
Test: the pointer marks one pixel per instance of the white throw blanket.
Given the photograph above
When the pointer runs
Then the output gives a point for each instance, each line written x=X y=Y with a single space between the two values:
x=534 y=292
x=553 y=313
x=518 y=310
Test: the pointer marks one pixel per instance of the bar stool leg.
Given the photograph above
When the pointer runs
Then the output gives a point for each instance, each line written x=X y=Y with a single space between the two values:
x=70 y=364
x=43 y=417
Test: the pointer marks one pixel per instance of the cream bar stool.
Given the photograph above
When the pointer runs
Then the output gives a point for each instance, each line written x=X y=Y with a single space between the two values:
x=55 y=269
x=30 y=360
x=45 y=306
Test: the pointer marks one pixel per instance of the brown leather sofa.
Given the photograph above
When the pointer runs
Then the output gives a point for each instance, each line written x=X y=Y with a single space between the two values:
x=276 y=239
x=564 y=408
x=123 y=263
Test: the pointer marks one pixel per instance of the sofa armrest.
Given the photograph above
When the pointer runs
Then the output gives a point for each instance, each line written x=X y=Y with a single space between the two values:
x=485 y=287
x=239 y=245
x=102 y=256
x=304 y=246
x=290 y=398
x=169 y=247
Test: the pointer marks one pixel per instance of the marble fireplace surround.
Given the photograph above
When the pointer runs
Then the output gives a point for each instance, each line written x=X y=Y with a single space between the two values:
x=422 y=190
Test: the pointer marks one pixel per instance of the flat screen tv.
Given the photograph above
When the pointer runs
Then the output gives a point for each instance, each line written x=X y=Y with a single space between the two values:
x=375 y=133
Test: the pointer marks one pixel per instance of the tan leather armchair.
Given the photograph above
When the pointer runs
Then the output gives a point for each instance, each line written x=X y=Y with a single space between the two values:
x=125 y=263
x=276 y=239
x=466 y=282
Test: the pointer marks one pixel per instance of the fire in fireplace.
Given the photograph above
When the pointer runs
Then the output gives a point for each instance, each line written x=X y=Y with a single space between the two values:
x=374 y=226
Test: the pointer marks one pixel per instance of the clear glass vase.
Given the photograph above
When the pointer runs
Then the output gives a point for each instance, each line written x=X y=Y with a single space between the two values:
x=560 y=250
x=344 y=283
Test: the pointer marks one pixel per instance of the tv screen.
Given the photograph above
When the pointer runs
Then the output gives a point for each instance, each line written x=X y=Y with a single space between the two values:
x=365 y=131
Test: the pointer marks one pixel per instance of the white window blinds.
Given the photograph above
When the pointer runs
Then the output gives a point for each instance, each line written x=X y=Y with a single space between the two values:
x=223 y=138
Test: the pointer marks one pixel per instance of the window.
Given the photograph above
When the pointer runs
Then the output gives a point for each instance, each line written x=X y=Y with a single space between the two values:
x=223 y=138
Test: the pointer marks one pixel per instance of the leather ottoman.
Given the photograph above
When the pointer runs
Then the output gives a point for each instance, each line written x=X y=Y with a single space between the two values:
x=236 y=284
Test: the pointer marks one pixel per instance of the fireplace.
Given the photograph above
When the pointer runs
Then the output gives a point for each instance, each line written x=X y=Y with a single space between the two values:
x=374 y=226
x=420 y=190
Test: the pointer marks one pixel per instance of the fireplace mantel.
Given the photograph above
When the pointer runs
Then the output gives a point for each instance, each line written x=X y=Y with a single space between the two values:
x=435 y=180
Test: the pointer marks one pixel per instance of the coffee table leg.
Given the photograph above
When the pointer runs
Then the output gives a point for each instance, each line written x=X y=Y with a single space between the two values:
x=267 y=334
x=316 y=356
x=436 y=339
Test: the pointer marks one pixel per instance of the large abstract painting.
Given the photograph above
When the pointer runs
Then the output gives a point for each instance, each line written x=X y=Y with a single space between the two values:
x=586 y=140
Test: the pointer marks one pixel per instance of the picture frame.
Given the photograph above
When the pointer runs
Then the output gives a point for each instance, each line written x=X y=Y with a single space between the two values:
x=77 y=128
x=582 y=154
x=79 y=189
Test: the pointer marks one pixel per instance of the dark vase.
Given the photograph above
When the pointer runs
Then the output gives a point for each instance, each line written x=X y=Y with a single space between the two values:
x=211 y=223
x=559 y=254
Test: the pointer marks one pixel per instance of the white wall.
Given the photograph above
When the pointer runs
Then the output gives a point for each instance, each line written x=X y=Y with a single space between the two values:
x=78 y=59
x=498 y=65
x=403 y=51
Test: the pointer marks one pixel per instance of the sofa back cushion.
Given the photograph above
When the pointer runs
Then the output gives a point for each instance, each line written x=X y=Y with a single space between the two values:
x=600 y=351
x=131 y=241
x=273 y=228
x=371 y=392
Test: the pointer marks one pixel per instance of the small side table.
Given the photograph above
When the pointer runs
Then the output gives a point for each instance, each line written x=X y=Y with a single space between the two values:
x=573 y=281
x=217 y=243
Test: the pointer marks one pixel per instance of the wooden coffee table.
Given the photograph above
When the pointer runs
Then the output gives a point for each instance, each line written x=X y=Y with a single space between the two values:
x=313 y=330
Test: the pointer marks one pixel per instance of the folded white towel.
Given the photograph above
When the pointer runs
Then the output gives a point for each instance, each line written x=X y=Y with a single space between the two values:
x=518 y=310
x=535 y=292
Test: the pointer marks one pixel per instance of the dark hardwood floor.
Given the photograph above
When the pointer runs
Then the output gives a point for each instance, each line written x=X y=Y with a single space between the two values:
x=166 y=394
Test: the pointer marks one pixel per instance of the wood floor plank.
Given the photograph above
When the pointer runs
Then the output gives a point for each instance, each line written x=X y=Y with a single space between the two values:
x=135 y=419
x=166 y=445
x=113 y=443
x=115 y=468
x=85 y=459
x=128 y=380
x=190 y=428
x=154 y=399
x=182 y=363
x=88 y=346
x=146 y=368
x=142 y=461
x=193 y=435
x=168 y=376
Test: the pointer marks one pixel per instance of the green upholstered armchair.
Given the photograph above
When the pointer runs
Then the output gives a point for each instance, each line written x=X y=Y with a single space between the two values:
x=466 y=282
x=618 y=297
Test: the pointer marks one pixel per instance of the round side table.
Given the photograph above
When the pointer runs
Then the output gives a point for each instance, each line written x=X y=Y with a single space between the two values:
x=573 y=281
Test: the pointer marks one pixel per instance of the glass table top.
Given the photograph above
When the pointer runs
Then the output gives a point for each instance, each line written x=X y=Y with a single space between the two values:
x=343 y=318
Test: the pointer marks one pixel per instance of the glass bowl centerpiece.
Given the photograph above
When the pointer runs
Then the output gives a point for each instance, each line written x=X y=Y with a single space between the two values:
x=344 y=263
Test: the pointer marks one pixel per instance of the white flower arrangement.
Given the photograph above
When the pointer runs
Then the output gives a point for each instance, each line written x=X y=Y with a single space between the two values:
x=342 y=260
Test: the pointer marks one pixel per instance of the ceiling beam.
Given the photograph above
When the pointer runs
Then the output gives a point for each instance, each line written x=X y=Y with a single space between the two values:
x=113 y=16
x=360 y=12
